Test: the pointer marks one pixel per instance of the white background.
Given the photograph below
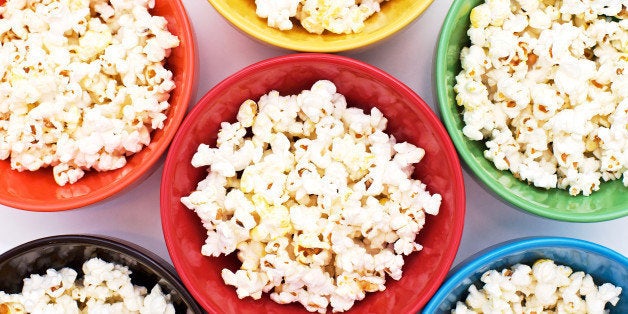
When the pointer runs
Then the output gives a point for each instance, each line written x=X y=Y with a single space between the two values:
x=409 y=56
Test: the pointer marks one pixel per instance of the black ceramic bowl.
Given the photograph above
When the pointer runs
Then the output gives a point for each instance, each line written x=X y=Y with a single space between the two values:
x=56 y=252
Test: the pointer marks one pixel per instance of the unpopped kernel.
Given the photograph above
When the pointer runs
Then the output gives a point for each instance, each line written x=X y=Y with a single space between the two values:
x=318 y=203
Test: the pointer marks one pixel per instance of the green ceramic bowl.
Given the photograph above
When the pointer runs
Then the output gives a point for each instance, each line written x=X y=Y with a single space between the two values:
x=610 y=202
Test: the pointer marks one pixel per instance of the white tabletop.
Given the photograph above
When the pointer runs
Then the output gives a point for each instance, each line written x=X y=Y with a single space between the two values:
x=409 y=56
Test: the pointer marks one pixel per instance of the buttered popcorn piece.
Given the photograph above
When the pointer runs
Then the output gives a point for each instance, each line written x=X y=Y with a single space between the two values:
x=545 y=87
x=104 y=288
x=317 y=200
x=82 y=83
x=317 y=16
x=543 y=288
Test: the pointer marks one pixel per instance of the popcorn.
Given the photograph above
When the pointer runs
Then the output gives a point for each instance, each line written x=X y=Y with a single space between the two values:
x=249 y=283
x=104 y=288
x=317 y=16
x=543 y=84
x=543 y=288
x=319 y=202
x=83 y=83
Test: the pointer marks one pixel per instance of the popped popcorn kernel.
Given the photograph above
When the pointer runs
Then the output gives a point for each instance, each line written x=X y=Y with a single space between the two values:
x=320 y=213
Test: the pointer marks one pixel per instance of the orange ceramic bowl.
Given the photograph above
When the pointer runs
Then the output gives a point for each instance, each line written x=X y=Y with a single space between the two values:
x=37 y=191
x=409 y=119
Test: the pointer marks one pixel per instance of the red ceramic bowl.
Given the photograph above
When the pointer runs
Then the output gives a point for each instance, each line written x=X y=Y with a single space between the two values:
x=409 y=119
x=37 y=191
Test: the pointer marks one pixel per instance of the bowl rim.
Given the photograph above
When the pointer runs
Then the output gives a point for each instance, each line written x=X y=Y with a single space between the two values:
x=319 y=46
x=133 y=177
x=492 y=186
x=141 y=254
x=503 y=249
x=169 y=165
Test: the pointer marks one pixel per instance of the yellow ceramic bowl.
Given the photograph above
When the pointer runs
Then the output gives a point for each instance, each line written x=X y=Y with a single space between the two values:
x=394 y=16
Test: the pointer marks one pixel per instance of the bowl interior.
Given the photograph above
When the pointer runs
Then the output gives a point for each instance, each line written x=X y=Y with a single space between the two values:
x=410 y=119
x=607 y=203
x=73 y=250
x=38 y=191
x=601 y=263
x=394 y=15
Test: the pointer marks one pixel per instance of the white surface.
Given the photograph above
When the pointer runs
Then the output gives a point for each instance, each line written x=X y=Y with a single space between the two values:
x=409 y=56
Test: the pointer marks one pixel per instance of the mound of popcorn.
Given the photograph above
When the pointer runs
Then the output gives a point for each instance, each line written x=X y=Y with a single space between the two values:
x=543 y=288
x=104 y=288
x=545 y=84
x=82 y=83
x=317 y=16
x=317 y=200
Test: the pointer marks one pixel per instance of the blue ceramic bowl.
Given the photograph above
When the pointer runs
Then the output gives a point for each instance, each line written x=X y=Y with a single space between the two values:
x=603 y=264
